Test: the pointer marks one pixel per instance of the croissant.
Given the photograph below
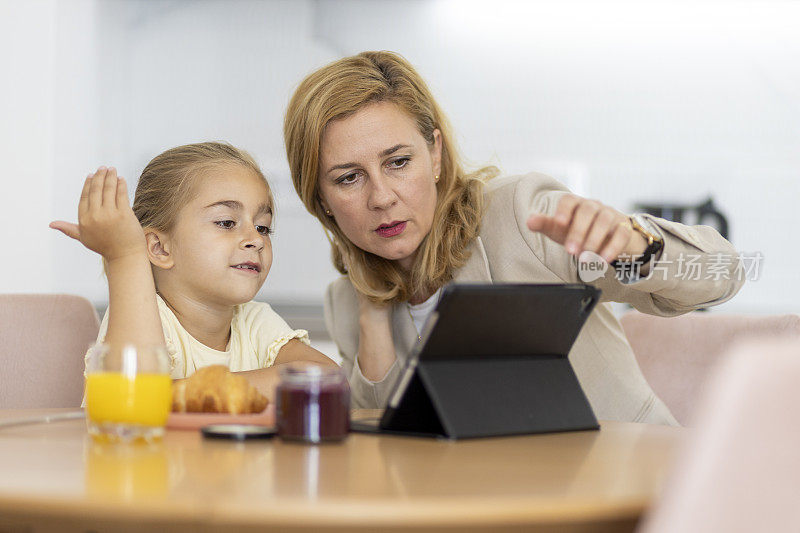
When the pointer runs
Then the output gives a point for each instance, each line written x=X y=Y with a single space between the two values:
x=214 y=389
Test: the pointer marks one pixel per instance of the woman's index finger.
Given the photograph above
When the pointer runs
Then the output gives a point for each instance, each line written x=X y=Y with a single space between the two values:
x=566 y=208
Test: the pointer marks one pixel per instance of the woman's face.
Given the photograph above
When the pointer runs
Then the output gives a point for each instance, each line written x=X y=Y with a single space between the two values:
x=377 y=179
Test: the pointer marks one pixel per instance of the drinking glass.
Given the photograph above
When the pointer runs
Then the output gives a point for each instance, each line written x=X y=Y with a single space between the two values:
x=128 y=392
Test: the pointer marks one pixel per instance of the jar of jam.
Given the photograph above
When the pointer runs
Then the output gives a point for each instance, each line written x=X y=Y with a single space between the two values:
x=312 y=403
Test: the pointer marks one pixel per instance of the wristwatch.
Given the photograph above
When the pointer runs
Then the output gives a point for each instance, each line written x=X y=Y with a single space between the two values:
x=648 y=230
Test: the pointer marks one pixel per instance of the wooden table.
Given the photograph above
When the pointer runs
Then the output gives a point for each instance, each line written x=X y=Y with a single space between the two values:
x=54 y=477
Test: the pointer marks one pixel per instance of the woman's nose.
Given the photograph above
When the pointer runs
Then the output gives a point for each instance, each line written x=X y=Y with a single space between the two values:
x=381 y=193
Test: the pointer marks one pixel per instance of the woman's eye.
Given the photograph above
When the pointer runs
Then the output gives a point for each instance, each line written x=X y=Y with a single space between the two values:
x=264 y=230
x=399 y=163
x=347 y=179
x=226 y=224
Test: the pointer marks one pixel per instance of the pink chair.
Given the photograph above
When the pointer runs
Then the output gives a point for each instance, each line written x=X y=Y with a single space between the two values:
x=43 y=338
x=739 y=470
x=676 y=354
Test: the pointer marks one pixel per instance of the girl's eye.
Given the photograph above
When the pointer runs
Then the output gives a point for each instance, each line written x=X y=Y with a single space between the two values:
x=226 y=224
x=399 y=163
x=264 y=230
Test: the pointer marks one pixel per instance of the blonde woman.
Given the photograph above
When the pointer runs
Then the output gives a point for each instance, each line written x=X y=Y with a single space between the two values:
x=373 y=159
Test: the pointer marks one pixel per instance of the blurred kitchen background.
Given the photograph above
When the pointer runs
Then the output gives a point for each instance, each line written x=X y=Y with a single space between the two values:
x=663 y=103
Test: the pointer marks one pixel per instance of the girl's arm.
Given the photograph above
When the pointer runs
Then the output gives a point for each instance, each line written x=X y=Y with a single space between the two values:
x=108 y=226
x=266 y=379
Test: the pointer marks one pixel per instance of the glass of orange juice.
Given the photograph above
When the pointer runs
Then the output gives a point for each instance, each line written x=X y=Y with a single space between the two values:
x=128 y=393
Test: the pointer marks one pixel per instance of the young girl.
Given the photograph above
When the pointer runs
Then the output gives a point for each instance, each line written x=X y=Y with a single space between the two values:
x=185 y=262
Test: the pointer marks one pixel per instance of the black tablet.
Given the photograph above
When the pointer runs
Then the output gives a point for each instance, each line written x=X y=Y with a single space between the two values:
x=492 y=360
x=477 y=320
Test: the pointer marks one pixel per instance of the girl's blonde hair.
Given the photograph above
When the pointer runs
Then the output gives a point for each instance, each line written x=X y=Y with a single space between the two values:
x=166 y=182
x=339 y=90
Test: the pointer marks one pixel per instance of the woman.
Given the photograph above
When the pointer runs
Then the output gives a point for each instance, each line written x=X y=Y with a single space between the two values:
x=372 y=157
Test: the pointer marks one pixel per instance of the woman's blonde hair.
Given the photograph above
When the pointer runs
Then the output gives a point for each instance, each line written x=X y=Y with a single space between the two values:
x=339 y=90
x=166 y=182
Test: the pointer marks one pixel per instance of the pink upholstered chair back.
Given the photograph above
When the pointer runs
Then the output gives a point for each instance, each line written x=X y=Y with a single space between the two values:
x=43 y=338
x=677 y=354
x=739 y=470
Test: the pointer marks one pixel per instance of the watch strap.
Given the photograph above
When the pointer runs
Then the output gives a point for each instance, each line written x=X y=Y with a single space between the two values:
x=654 y=241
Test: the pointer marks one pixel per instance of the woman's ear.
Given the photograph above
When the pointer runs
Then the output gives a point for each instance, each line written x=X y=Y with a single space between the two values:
x=158 y=249
x=325 y=206
x=436 y=152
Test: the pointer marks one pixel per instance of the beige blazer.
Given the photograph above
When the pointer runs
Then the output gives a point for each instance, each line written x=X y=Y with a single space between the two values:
x=507 y=252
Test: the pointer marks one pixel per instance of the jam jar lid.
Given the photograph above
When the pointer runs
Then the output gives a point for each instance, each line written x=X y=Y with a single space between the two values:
x=300 y=373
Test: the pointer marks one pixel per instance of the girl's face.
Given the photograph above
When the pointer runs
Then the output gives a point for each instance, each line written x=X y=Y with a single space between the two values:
x=220 y=245
x=377 y=179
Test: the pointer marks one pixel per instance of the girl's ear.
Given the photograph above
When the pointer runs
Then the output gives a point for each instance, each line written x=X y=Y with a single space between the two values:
x=158 y=249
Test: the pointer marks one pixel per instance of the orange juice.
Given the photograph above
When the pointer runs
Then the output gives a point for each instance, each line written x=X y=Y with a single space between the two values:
x=144 y=400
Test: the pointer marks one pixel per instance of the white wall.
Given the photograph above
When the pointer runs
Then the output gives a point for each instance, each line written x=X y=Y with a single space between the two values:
x=625 y=101
x=27 y=41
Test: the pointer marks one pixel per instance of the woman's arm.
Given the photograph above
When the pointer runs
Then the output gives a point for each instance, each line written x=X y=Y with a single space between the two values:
x=108 y=226
x=342 y=321
x=580 y=224
x=662 y=287
x=376 y=353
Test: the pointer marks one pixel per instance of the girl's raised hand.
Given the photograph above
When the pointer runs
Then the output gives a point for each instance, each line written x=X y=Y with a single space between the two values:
x=588 y=225
x=106 y=223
